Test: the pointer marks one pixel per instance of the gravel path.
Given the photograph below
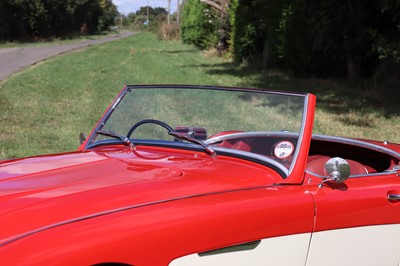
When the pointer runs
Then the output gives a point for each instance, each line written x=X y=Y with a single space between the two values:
x=13 y=60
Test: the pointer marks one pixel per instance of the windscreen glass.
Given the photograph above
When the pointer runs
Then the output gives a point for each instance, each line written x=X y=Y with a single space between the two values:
x=245 y=121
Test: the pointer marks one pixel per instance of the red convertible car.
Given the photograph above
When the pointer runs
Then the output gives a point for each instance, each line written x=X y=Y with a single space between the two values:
x=199 y=175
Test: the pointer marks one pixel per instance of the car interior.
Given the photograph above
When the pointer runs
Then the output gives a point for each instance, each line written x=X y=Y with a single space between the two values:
x=362 y=159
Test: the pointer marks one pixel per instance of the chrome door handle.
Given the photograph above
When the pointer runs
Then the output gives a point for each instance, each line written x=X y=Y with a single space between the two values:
x=394 y=197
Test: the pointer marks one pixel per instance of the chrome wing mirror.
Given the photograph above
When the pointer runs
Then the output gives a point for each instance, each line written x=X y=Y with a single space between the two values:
x=337 y=170
x=82 y=138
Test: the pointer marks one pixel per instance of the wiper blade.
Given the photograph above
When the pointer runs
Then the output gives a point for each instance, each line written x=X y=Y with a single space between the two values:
x=114 y=135
x=183 y=136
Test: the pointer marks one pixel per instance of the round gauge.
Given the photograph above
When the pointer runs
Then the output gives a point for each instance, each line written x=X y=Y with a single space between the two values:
x=283 y=149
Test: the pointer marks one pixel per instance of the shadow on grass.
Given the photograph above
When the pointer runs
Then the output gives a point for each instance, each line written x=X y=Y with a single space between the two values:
x=333 y=95
x=178 y=51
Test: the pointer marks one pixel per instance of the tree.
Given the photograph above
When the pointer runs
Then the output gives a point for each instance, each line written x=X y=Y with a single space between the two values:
x=224 y=26
x=155 y=16
x=153 y=12
x=108 y=14
x=340 y=33
x=257 y=34
x=199 y=24
x=332 y=38
x=30 y=19
x=220 y=5
x=385 y=33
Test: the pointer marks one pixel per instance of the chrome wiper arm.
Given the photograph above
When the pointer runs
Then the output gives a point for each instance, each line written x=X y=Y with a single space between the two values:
x=114 y=135
x=182 y=136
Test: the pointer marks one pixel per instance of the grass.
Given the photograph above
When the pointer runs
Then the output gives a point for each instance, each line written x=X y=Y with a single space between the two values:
x=55 y=41
x=215 y=110
x=43 y=108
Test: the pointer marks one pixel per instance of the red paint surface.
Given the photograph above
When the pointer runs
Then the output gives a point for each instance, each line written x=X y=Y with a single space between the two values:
x=360 y=201
x=152 y=205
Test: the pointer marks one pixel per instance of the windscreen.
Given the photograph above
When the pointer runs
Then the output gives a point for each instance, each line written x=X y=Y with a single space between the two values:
x=258 y=122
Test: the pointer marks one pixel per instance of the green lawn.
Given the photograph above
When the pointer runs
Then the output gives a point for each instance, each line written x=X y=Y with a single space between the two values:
x=56 y=41
x=43 y=108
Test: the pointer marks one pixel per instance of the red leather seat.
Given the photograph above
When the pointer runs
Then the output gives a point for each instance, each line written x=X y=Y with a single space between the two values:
x=241 y=145
x=237 y=145
x=316 y=163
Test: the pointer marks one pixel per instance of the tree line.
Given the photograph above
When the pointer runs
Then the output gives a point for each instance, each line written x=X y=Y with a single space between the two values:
x=138 y=20
x=331 y=38
x=36 y=19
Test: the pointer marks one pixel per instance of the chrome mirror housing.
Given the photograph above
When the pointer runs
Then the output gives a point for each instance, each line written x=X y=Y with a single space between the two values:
x=82 y=137
x=337 y=170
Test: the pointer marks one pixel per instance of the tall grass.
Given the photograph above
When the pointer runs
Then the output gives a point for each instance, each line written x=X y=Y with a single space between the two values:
x=43 y=108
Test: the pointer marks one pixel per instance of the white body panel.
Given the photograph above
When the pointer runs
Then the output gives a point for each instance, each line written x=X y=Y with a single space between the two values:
x=367 y=246
x=285 y=250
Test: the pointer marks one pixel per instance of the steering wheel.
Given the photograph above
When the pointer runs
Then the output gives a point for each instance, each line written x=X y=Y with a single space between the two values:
x=149 y=121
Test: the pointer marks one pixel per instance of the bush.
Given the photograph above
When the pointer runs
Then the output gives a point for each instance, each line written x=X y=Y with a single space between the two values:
x=168 y=32
x=199 y=25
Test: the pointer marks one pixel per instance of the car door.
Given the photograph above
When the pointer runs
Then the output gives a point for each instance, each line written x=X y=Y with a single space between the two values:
x=357 y=222
x=279 y=220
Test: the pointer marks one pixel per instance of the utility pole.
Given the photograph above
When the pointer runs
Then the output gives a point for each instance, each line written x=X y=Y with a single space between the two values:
x=169 y=12
x=147 y=14
x=178 y=12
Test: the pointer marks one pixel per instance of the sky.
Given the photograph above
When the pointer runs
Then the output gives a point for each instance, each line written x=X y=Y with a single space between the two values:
x=129 y=6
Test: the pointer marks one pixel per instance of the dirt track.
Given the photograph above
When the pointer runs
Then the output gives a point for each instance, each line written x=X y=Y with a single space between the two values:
x=13 y=60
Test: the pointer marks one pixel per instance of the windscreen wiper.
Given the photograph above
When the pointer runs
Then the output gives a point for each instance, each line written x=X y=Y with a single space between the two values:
x=114 y=135
x=184 y=136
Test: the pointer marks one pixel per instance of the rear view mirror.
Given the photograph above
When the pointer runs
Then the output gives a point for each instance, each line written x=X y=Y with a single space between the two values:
x=82 y=138
x=337 y=170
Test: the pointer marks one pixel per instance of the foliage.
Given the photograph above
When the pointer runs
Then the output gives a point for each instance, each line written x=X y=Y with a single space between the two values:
x=109 y=13
x=130 y=18
x=343 y=36
x=138 y=20
x=386 y=30
x=386 y=41
x=317 y=38
x=232 y=19
x=153 y=12
x=31 y=19
x=199 y=24
x=155 y=24
x=256 y=26
x=43 y=108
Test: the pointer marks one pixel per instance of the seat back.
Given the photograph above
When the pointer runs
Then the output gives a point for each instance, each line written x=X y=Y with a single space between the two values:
x=316 y=165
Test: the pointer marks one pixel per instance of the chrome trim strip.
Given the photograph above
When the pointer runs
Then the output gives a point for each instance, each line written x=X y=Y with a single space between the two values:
x=356 y=176
x=220 y=88
x=99 y=126
x=394 y=197
x=250 y=134
x=250 y=155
